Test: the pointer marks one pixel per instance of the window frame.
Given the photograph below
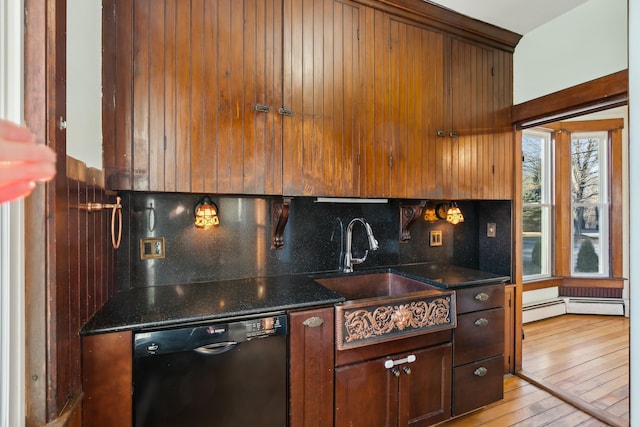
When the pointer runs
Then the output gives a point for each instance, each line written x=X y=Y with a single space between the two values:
x=546 y=203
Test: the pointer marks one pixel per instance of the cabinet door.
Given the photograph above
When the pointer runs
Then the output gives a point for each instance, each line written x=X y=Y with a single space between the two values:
x=405 y=99
x=321 y=98
x=425 y=389
x=366 y=395
x=311 y=364
x=481 y=153
x=198 y=70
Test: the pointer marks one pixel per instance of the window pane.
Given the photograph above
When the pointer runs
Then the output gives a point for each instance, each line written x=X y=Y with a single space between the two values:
x=585 y=167
x=589 y=201
x=535 y=240
x=588 y=242
x=532 y=149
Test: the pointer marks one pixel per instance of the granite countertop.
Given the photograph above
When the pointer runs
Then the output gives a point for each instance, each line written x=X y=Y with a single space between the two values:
x=168 y=305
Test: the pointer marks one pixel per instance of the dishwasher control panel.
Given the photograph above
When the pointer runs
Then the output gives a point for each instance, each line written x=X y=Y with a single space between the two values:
x=209 y=335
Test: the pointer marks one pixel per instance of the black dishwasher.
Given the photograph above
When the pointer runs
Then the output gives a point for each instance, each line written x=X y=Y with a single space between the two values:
x=230 y=374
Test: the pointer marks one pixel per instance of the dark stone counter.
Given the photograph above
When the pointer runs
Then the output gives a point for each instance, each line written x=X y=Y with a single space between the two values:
x=164 y=306
x=168 y=305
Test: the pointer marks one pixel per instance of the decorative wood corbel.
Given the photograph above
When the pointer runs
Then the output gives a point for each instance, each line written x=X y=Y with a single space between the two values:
x=408 y=214
x=279 y=218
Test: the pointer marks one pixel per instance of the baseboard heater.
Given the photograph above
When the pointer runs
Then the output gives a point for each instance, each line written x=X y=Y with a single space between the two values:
x=560 y=306
x=604 y=306
x=543 y=310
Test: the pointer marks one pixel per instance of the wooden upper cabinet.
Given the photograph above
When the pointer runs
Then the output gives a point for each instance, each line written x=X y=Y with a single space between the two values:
x=321 y=98
x=481 y=152
x=204 y=79
x=305 y=98
x=405 y=105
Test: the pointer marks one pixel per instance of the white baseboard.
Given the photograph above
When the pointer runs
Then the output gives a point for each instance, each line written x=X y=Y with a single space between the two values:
x=543 y=310
x=560 y=306
x=602 y=306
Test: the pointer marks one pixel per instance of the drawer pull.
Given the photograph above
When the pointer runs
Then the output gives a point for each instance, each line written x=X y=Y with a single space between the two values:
x=284 y=111
x=313 y=322
x=481 y=371
x=482 y=297
x=481 y=322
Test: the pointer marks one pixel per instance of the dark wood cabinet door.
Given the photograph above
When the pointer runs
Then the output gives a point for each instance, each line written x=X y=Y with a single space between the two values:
x=321 y=98
x=425 y=390
x=311 y=362
x=366 y=395
x=195 y=71
x=481 y=149
x=401 y=155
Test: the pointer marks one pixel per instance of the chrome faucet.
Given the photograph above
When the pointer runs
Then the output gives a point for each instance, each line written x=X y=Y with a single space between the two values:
x=349 y=261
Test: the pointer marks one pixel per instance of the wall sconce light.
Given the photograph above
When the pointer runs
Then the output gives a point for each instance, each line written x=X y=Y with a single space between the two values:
x=454 y=215
x=430 y=213
x=206 y=214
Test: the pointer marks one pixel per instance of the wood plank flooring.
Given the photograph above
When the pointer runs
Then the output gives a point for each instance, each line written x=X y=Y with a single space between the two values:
x=580 y=358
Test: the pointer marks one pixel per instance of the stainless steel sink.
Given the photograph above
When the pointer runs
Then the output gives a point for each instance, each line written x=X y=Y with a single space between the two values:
x=387 y=306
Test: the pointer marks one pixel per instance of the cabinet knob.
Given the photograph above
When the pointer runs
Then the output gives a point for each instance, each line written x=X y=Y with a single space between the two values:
x=453 y=134
x=441 y=133
x=482 y=296
x=313 y=322
x=407 y=370
x=481 y=371
x=481 y=322
x=395 y=372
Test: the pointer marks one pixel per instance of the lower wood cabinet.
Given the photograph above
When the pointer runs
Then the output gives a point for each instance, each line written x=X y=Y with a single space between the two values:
x=413 y=393
x=478 y=348
x=311 y=362
x=107 y=377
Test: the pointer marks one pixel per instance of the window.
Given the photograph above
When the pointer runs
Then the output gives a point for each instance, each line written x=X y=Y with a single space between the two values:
x=537 y=178
x=589 y=204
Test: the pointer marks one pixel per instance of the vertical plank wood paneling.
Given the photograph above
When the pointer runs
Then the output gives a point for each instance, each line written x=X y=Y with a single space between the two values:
x=199 y=161
x=141 y=96
x=183 y=96
x=75 y=268
x=123 y=140
x=211 y=111
x=369 y=40
x=321 y=72
x=237 y=82
x=170 y=102
x=157 y=63
x=109 y=73
x=253 y=75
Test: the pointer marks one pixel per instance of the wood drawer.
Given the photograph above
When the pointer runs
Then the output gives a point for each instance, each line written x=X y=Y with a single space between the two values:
x=477 y=384
x=479 y=298
x=479 y=335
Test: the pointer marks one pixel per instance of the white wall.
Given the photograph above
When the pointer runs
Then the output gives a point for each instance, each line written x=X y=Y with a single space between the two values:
x=84 y=81
x=585 y=43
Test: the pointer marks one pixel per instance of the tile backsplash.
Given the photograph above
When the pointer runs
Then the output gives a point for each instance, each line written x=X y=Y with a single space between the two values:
x=314 y=238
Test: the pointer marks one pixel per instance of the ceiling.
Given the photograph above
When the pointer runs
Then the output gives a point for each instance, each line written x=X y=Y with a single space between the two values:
x=519 y=16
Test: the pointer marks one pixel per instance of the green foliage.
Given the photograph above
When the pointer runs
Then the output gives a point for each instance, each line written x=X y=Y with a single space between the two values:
x=587 y=258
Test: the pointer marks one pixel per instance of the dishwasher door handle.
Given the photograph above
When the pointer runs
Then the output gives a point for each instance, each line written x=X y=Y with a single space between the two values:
x=216 y=348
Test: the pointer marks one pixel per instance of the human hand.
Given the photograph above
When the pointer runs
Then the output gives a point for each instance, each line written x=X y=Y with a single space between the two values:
x=22 y=161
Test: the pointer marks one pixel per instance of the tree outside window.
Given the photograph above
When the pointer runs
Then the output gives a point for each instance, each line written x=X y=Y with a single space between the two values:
x=589 y=203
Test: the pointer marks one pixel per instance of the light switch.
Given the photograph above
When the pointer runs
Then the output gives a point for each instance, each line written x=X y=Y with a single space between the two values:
x=491 y=229
x=435 y=238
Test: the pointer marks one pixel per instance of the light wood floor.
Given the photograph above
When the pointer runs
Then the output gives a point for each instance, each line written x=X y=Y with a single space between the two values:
x=580 y=358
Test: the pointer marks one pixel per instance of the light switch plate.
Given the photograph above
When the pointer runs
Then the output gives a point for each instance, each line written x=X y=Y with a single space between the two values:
x=152 y=248
x=435 y=238
x=491 y=229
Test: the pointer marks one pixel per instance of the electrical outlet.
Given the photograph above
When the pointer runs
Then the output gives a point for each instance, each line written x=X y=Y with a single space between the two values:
x=491 y=229
x=152 y=248
x=435 y=238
